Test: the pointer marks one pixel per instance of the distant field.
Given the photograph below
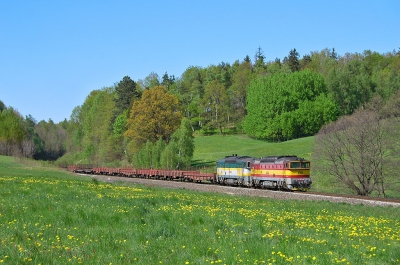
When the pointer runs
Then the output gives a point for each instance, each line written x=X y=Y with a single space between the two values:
x=10 y=166
x=209 y=149
x=48 y=216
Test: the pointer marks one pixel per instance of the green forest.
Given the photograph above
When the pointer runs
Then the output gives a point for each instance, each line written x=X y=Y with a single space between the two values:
x=151 y=122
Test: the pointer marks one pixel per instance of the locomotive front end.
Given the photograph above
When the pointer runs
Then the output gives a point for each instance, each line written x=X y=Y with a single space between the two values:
x=297 y=174
x=282 y=172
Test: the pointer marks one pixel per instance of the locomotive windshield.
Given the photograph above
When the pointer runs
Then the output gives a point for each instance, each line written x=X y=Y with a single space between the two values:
x=299 y=164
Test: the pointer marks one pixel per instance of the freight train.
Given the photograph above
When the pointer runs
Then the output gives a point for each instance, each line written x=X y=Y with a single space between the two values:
x=272 y=172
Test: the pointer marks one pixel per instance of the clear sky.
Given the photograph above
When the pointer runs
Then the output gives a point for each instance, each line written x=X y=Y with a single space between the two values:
x=54 y=53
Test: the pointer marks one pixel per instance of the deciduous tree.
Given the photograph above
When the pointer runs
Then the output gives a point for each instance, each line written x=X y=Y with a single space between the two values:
x=351 y=86
x=143 y=159
x=190 y=90
x=215 y=105
x=237 y=92
x=32 y=143
x=52 y=137
x=156 y=115
x=169 y=159
x=276 y=105
x=116 y=143
x=12 y=131
x=149 y=82
x=184 y=142
x=90 y=126
x=156 y=154
x=358 y=151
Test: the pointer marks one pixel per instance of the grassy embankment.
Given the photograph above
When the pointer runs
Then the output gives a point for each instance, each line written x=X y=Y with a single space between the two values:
x=48 y=216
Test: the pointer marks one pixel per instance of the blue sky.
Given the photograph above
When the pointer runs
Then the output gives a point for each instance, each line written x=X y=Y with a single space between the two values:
x=54 y=53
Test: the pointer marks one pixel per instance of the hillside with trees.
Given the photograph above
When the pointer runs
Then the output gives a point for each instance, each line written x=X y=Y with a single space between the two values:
x=151 y=122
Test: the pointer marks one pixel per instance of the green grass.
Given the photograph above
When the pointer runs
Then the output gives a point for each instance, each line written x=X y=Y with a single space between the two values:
x=10 y=166
x=208 y=149
x=54 y=218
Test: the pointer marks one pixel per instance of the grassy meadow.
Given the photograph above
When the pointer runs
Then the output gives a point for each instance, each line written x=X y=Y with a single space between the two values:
x=48 y=216
x=209 y=149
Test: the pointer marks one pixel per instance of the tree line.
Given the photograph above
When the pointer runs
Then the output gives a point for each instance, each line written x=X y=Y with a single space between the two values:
x=272 y=100
x=25 y=137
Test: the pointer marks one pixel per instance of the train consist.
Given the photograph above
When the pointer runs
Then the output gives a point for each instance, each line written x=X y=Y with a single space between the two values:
x=272 y=172
x=182 y=175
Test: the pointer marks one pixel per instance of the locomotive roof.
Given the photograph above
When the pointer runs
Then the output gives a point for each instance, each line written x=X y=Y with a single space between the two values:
x=278 y=159
x=267 y=159
x=235 y=159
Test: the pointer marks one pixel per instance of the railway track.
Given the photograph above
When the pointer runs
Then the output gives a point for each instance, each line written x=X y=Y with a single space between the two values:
x=357 y=197
x=279 y=195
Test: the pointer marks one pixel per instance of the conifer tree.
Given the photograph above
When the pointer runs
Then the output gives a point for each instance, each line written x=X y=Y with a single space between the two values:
x=125 y=94
x=293 y=60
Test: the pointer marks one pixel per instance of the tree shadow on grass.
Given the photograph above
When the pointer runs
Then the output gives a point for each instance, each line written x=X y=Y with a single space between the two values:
x=200 y=164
